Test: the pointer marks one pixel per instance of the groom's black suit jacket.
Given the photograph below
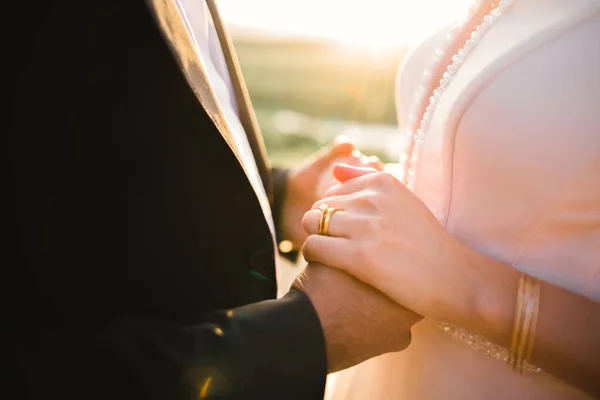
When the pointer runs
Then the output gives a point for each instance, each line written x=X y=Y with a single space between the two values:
x=131 y=231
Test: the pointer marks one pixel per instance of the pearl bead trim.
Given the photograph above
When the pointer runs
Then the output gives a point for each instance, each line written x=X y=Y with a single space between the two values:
x=417 y=133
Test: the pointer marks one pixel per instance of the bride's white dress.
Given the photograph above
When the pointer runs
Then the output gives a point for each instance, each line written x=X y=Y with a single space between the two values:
x=511 y=166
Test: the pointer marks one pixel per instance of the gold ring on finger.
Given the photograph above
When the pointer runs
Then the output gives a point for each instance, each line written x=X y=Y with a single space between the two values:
x=326 y=213
x=323 y=208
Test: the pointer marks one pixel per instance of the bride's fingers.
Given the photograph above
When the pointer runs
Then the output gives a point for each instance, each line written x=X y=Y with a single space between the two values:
x=339 y=223
x=359 y=203
x=331 y=251
x=339 y=202
x=345 y=172
x=365 y=181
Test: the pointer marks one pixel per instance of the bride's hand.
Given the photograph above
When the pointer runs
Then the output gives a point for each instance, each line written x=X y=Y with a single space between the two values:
x=327 y=180
x=384 y=235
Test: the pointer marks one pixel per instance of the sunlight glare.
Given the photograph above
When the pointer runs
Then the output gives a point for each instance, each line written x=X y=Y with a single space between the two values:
x=375 y=24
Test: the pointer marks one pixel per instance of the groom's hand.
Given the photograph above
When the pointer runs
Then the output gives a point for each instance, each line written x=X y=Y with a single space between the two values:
x=358 y=321
x=305 y=180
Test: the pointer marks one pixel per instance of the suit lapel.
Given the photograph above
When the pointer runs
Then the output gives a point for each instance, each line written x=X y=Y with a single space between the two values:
x=246 y=111
x=174 y=29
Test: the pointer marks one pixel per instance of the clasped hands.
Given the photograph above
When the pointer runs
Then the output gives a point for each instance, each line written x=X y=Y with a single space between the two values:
x=382 y=265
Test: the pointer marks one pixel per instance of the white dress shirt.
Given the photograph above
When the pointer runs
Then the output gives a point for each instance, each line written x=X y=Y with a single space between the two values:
x=200 y=24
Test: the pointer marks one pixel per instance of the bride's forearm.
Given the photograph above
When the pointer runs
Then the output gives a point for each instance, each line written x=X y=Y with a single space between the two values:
x=488 y=301
x=567 y=343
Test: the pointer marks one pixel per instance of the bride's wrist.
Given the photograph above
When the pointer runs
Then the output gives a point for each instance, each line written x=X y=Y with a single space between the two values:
x=485 y=302
x=459 y=299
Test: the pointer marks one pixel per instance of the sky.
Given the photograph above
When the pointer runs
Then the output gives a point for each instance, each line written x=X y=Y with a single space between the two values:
x=378 y=24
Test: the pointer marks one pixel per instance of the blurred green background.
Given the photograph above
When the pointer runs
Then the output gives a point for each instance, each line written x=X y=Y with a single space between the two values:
x=307 y=92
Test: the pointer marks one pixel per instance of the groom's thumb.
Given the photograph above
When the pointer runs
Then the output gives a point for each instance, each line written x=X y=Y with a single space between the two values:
x=344 y=172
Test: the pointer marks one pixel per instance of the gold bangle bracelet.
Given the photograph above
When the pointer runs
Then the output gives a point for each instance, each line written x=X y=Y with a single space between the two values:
x=535 y=293
x=526 y=325
x=517 y=324
x=526 y=315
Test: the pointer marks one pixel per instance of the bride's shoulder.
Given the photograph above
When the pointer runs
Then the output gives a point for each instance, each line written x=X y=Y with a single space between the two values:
x=417 y=59
x=560 y=70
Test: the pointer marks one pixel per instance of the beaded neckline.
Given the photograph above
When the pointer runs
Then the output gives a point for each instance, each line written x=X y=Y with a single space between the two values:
x=420 y=117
